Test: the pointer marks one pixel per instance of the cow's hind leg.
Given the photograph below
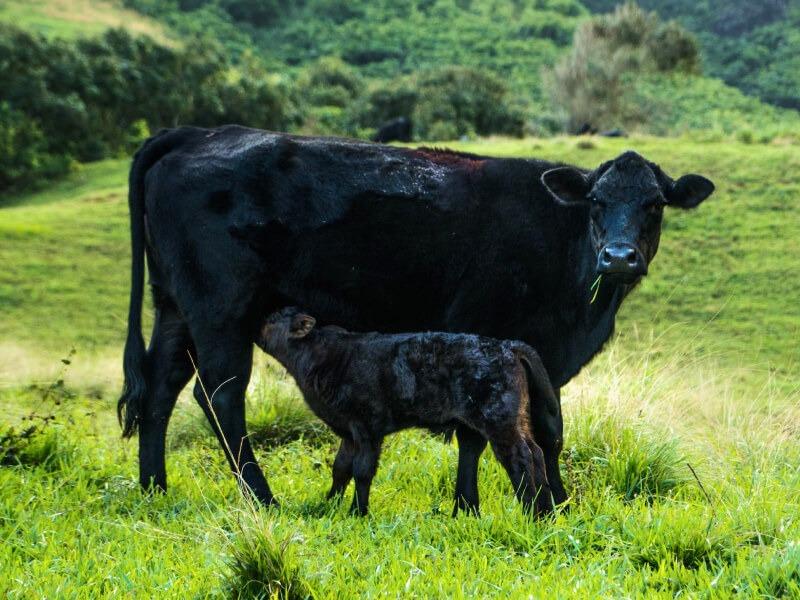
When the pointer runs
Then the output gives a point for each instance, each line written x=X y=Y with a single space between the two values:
x=471 y=445
x=169 y=369
x=342 y=468
x=225 y=363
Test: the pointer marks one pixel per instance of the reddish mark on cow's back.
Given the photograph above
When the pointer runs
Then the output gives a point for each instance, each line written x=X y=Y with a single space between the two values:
x=468 y=162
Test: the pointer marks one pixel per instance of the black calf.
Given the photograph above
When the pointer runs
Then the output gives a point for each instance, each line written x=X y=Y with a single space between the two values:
x=366 y=386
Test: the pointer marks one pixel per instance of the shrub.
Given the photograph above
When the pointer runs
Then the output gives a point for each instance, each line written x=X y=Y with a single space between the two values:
x=329 y=82
x=96 y=97
x=589 y=83
x=444 y=103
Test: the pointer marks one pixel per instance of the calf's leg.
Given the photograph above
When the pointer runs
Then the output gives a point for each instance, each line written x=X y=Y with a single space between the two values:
x=342 y=468
x=365 y=463
x=547 y=426
x=471 y=445
x=525 y=469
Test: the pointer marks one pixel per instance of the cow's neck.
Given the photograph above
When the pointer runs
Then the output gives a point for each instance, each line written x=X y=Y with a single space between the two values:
x=591 y=320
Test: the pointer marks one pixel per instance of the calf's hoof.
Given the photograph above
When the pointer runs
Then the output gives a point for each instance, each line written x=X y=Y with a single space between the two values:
x=544 y=502
x=358 y=511
x=462 y=504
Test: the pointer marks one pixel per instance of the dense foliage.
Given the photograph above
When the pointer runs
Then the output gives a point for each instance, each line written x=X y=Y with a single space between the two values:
x=64 y=101
x=589 y=83
x=754 y=46
x=455 y=67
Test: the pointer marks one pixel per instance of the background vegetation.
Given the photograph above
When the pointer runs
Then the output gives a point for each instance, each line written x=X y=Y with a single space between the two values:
x=74 y=93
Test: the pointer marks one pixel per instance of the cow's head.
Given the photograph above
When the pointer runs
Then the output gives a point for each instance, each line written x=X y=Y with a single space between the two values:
x=626 y=198
x=282 y=326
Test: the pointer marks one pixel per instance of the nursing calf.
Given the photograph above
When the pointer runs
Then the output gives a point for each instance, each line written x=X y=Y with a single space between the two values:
x=368 y=385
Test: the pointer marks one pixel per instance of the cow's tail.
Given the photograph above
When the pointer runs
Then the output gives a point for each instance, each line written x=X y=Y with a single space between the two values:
x=134 y=359
x=540 y=393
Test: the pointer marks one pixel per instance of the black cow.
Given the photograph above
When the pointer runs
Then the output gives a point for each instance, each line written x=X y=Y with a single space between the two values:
x=395 y=130
x=368 y=385
x=236 y=223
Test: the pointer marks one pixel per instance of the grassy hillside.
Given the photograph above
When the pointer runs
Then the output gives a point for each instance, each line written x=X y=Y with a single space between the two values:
x=80 y=18
x=66 y=252
x=703 y=371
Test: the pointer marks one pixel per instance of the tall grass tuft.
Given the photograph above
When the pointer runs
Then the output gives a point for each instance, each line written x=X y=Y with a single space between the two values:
x=263 y=566
x=606 y=451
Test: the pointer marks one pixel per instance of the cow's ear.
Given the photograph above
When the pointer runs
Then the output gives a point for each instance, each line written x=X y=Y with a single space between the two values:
x=567 y=185
x=302 y=325
x=689 y=191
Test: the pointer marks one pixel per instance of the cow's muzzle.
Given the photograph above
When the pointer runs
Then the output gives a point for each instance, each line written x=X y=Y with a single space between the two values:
x=621 y=260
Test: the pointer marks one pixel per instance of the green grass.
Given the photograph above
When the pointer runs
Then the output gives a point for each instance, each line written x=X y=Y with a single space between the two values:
x=703 y=372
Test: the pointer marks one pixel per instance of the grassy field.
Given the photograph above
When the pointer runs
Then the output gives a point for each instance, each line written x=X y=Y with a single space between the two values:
x=79 y=18
x=703 y=372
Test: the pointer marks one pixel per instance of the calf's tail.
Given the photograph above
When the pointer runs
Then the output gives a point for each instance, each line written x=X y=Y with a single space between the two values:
x=134 y=358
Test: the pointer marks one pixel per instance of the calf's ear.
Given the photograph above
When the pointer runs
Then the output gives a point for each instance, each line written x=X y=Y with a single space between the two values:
x=301 y=325
x=567 y=185
x=689 y=191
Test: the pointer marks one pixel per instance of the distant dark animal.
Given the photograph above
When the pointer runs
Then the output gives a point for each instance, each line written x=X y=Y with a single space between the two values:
x=396 y=130
x=586 y=129
x=614 y=133
x=236 y=223
x=366 y=386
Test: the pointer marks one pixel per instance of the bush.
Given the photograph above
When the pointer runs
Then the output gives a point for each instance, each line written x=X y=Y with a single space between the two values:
x=444 y=103
x=589 y=83
x=24 y=160
x=98 y=97
x=329 y=82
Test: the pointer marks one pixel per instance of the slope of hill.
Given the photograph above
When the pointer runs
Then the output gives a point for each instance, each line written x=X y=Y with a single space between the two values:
x=80 y=18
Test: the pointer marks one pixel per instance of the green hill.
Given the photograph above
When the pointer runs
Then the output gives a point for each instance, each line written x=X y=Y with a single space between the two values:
x=80 y=18
x=464 y=68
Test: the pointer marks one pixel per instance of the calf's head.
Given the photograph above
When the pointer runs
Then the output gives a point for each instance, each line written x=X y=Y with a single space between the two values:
x=626 y=199
x=283 y=326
